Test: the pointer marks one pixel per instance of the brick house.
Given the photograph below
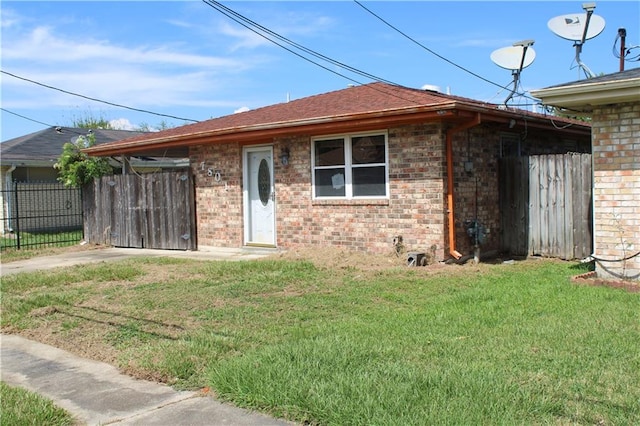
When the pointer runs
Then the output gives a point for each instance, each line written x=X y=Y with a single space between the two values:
x=613 y=102
x=357 y=168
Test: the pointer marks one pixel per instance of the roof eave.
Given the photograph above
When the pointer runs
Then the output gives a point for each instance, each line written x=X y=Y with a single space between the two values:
x=26 y=162
x=586 y=96
x=264 y=132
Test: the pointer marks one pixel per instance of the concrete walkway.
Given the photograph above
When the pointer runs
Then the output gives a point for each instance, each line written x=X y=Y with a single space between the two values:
x=112 y=253
x=97 y=394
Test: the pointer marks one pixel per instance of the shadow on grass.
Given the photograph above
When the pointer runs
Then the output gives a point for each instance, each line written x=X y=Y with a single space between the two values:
x=118 y=324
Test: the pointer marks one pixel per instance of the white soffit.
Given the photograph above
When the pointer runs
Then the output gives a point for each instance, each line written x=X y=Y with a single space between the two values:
x=590 y=94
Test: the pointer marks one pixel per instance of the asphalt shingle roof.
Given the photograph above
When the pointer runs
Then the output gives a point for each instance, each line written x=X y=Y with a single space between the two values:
x=47 y=144
x=377 y=100
x=617 y=76
x=356 y=100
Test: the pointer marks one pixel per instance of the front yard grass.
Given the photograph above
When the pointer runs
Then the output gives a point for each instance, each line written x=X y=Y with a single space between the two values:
x=21 y=407
x=486 y=344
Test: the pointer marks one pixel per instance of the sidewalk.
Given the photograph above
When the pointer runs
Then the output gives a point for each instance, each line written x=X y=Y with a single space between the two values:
x=113 y=253
x=97 y=394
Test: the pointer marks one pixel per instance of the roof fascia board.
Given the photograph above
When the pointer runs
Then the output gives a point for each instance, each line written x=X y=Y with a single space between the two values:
x=261 y=133
x=451 y=111
x=27 y=163
x=590 y=93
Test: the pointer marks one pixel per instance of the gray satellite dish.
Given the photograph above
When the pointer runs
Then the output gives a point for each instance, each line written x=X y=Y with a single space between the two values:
x=578 y=28
x=572 y=27
x=514 y=58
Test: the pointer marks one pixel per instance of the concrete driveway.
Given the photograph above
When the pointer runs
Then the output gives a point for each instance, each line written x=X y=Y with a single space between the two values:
x=113 y=253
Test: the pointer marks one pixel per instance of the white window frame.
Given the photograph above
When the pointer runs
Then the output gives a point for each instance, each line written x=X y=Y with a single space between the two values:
x=349 y=166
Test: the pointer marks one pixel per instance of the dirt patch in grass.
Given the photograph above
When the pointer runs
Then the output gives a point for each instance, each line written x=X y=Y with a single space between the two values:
x=591 y=279
x=339 y=258
x=84 y=341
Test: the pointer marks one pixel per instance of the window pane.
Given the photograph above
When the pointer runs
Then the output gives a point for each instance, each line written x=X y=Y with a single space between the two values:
x=329 y=152
x=330 y=183
x=368 y=149
x=369 y=181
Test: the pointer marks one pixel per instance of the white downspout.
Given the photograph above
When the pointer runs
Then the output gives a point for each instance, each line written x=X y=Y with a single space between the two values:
x=7 y=183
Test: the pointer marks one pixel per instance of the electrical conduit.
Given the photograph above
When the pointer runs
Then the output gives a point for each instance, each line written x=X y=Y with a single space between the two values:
x=450 y=204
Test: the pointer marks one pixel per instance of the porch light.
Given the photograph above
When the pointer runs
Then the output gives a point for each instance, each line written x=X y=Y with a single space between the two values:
x=284 y=157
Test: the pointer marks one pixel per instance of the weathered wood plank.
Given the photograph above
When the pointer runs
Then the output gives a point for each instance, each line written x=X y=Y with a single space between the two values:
x=153 y=211
x=558 y=205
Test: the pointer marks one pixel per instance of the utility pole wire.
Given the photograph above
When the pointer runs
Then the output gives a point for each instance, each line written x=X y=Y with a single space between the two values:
x=249 y=24
x=26 y=118
x=245 y=23
x=97 y=100
x=429 y=50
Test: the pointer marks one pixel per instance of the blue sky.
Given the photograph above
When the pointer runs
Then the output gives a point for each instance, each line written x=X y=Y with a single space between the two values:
x=185 y=59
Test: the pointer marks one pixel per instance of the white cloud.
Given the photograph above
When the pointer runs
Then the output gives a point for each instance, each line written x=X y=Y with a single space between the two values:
x=138 y=76
x=44 y=46
x=242 y=109
x=122 y=124
x=8 y=19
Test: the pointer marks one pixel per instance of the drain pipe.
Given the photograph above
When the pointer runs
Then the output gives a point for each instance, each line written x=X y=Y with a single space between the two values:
x=450 y=205
x=7 y=182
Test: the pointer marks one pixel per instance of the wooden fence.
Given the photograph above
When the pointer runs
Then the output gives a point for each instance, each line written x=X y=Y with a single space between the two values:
x=546 y=205
x=153 y=210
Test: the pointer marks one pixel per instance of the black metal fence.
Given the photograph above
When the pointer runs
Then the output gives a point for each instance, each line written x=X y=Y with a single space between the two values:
x=38 y=215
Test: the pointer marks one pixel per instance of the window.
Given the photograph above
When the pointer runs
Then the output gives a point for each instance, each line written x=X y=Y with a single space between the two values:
x=352 y=166
x=509 y=145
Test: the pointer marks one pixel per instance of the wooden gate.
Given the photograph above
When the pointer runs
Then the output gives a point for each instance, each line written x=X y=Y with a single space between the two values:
x=546 y=205
x=155 y=210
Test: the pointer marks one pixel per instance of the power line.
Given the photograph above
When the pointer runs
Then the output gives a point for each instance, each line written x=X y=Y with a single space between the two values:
x=249 y=24
x=95 y=99
x=425 y=47
x=431 y=51
x=26 y=118
x=58 y=128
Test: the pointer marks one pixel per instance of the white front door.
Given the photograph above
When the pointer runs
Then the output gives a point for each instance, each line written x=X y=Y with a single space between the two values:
x=259 y=197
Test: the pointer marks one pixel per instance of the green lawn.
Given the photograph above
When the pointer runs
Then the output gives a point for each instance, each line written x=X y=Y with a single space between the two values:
x=487 y=344
x=19 y=407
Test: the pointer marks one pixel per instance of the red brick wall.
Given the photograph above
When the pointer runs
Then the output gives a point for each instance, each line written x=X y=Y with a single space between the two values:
x=616 y=158
x=218 y=203
x=481 y=147
x=415 y=209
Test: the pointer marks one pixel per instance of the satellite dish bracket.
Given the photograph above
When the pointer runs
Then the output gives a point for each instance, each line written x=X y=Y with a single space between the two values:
x=578 y=45
x=516 y=73
x=587 y=72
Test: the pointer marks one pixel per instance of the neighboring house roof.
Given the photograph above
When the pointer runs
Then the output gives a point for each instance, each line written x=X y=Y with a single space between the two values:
x=45 y=146
x=357 y=108
x=583 y=95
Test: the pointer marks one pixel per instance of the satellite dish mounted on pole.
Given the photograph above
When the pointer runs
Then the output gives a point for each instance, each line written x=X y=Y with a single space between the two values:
x=514 y=58
x=578 y=28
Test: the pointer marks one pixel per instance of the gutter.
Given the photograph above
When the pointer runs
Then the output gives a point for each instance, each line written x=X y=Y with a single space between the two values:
x=590 y=94
x=8 y=192
x=271 y=129
x=450 y=204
